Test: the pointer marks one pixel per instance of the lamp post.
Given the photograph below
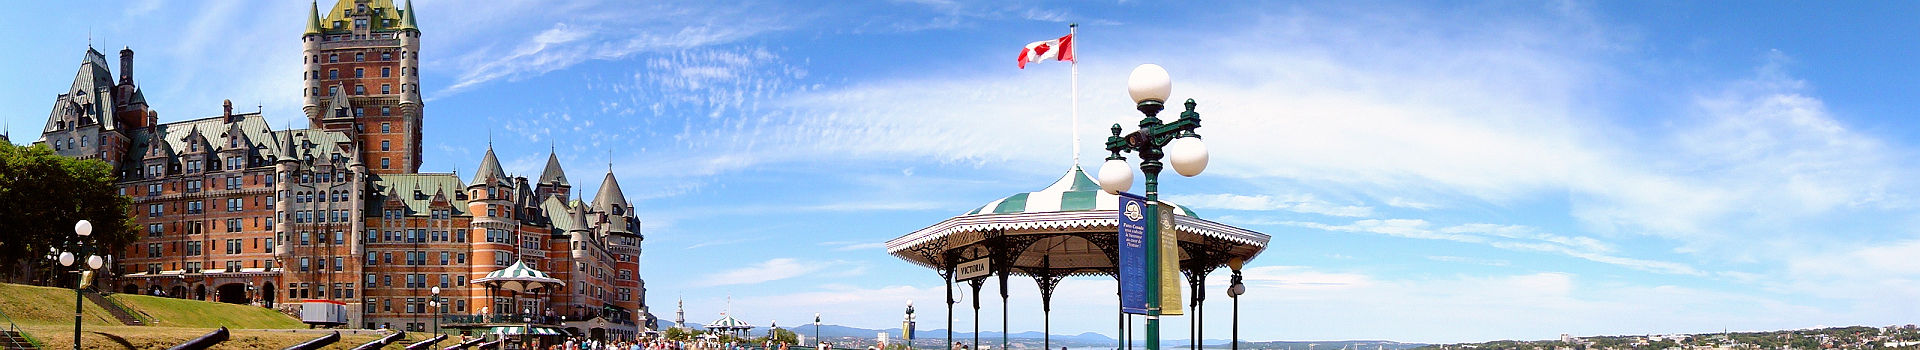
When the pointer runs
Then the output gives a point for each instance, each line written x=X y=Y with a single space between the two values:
x=816 y=329
x=1234 y=292
x=434 y=303
x=908 y=327
x=1149 y=86
x=81 y=231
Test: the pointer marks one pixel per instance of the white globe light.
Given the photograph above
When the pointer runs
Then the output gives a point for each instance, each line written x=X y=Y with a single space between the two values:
x=436 y=290
x=95 y=262
x=83 y=228
x=1189 y=155
x=66 y=259
x=1149 y=82
x=1237 y=290
x=1116 y=176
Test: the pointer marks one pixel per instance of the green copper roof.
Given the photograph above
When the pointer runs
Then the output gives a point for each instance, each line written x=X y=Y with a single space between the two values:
x=313 y=20
x=384 y=16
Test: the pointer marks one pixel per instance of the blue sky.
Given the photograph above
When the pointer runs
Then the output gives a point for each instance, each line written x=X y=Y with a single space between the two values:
x=1429 y=172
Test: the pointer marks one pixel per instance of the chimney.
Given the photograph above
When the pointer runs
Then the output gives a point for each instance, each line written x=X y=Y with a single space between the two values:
x=126 y=65
x=226 y=107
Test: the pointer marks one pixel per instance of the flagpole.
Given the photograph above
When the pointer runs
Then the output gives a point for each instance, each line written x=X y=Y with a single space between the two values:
x=1072 y=29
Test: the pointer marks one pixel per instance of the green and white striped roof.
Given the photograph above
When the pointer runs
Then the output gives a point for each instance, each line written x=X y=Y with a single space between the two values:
x=728 y=322
x=1075 y=191
x=519 y=278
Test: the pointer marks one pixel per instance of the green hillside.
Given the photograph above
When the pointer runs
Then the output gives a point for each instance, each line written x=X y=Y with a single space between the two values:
x=170 y=312
x=46 y=315
x=31 y=305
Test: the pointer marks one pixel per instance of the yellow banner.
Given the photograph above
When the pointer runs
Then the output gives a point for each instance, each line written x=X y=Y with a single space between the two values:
x=1170 y=300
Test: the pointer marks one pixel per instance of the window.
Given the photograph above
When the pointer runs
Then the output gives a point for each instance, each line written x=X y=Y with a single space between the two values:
x=386 y=88
x=359 y=72
x=386 y=145
x=234 y=204
x=386 y=163
x=386 y=72
x=386 y=56
x=337 y=263
x=333 y=74
x=359 y=90
x=304 y=262
x=357 y=57
x=154 y=230
x=385 y=111
x=333 y=58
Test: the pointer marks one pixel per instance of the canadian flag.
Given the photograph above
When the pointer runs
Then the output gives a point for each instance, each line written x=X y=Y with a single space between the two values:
x=1057 y=49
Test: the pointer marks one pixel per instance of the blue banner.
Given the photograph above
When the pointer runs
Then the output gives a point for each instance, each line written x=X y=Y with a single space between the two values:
x=1133 y=253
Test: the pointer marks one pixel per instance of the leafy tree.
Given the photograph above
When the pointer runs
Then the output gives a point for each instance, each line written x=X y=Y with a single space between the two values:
x=42 y=195
x=681 y=334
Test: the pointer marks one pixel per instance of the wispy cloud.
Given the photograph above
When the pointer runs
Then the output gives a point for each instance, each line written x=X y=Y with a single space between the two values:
x=1301 y=203
x=770 y=270
x=1511 y=237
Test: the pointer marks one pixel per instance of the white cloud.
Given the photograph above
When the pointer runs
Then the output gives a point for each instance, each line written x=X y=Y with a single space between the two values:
x=770 y=270
x=1300 y=203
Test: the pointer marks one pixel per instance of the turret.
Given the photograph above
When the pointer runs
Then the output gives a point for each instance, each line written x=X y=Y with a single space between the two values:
x=126 y=65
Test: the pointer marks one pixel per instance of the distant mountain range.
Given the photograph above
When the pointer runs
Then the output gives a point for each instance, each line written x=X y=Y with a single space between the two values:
x=1087 y=339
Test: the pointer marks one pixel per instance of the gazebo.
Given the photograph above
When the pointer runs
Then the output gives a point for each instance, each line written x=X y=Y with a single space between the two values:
x=1069 y=228
x=729 y=325
x=522 y=279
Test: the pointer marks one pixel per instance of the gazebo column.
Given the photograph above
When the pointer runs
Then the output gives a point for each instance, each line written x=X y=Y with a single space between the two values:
x=1003 y=308
x=976 y=283
x=1047 y=279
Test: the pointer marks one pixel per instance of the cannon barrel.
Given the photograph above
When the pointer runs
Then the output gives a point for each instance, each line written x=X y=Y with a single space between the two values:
x=382 y=342
x=204 y=341
x=316 y=343
x=426 y=344
x=468 y=344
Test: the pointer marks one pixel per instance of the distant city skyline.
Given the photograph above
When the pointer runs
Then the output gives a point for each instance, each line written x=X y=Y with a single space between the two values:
x=1430 y=173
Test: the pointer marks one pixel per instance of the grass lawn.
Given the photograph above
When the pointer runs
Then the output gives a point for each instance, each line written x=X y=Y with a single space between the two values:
x=139 y=337
x=46 y=314
x=170 y=312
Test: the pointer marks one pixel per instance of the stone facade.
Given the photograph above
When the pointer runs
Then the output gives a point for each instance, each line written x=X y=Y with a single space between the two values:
x=231 y=210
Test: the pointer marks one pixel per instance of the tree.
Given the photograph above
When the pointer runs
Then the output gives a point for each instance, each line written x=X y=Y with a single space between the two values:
x=42 y=195
x=680 y=334
x=781 y=336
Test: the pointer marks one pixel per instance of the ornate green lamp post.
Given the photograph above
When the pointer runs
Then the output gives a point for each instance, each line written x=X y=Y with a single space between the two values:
x=84 y=269
x=1149 y=86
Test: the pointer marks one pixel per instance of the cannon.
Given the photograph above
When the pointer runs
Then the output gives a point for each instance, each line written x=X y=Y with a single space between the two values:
x=316 y=343
x=382 y=342
x=426 y=344
x=468 y=344
x=204 y=341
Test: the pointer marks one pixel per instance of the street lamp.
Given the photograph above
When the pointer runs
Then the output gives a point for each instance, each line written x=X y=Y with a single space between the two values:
x=1149 y=87
x=908 y=327
x=816 y=329
x=81 y=231
x=434 y=303
x=1234 y=292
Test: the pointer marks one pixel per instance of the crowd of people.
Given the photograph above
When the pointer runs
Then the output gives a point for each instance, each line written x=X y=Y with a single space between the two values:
x=656 y=343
